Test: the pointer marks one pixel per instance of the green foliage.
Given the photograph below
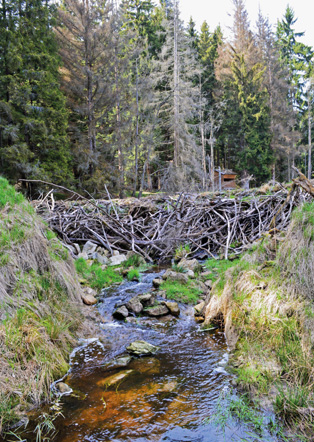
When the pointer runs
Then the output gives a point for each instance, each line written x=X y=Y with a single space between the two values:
x=186 y=293
x=95 y=276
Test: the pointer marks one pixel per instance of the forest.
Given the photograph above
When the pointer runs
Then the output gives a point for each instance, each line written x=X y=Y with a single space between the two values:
x=99 y=96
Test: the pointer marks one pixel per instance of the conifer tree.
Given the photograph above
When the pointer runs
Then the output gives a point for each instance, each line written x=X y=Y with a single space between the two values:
x=176 y=99
x=33 y=141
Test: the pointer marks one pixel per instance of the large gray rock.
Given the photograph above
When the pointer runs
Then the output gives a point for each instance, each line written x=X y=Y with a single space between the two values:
x=158 y=310
x=189 y=264
x=134 y=305
x=116 y=260
x=89 y=248
x=121 y=312
x=170 y=275
x=142 y=348
x=172 y=307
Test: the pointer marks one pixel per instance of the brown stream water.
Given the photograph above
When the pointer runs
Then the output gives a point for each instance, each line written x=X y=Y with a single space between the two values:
x=168 y=397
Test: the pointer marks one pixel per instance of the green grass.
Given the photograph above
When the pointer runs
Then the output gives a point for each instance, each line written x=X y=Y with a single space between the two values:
x=186 y=293
x=95 y=276
x=182 y=251
x=8 y=195
x=133 y=275
x=134 y=261
x=218 y=269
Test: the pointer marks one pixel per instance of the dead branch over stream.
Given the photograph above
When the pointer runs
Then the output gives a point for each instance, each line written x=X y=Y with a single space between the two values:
x=156 y=226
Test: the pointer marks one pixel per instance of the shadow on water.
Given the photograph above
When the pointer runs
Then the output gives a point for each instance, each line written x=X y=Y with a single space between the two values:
x=168 y=397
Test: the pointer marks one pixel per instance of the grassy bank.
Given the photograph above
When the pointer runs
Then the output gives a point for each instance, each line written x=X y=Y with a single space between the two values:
x=40 y=307
x=266 y=300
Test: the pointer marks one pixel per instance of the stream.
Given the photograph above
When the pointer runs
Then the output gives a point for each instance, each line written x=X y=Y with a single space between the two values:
x=172 y=396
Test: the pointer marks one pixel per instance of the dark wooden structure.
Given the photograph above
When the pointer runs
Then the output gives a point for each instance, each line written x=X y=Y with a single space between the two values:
x=228 y=179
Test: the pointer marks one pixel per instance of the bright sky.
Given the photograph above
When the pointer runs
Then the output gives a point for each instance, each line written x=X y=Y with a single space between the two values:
x=221 y=12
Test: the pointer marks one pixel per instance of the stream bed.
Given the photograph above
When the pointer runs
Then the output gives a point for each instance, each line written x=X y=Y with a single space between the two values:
x=172 y=396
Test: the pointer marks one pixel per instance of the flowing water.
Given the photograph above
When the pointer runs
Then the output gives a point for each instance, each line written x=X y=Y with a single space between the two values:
x=171 y=396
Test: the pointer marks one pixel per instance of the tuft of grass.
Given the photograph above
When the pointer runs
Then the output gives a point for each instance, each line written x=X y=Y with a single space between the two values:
x=134 y=261
x=182 y=251
x=133 y=275
x=186 y=293
x=95 y=276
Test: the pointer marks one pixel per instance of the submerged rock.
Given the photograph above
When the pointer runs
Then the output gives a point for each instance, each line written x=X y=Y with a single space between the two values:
x=114 y=379
x=172 y=307
x=158 y=310
x=149 y=365
x=142 y=348
x=119 y=362
x=121 y=312
x=63 y=388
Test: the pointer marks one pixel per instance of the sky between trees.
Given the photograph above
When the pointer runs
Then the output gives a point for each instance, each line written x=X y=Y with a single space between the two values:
x=222 y=13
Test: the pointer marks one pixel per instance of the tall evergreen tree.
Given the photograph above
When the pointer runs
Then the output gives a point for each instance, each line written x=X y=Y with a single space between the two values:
x=177 y=101
x=33 y=141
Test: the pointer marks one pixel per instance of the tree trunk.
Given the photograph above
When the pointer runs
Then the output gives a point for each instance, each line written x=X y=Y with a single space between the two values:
x=309 y=168
x=176 y=146
x=136 y=135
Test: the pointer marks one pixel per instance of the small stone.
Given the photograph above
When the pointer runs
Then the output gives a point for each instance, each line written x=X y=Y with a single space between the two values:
x=89 y=248
x=157 y=282
x=172 y=307
x=77 y=248
x=117 y=259
x=115 y=253
x=169 y=275
x=147 y=299
x=199 y=307
x=63 y=388
x=209 y=283
x=168 y=387
x=199 y=318
x=189 y=264
x=134 y=305
x=89 y=299
x=83 y=255
x=121 y=312
x=100 y=258
x=159 y=310
x=190 y=274
x=142 y=348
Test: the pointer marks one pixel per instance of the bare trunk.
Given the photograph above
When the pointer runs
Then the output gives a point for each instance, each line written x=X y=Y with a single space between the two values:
x=309 y=168
x=202 y=138
x=118 y=121
x=176 y=154
x=212 y=164
x=136 y=135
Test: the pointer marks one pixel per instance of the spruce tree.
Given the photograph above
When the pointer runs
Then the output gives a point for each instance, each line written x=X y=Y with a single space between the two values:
x=33 y=140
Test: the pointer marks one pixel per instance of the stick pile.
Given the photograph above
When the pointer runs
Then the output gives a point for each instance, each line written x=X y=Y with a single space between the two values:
x=156 y=227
